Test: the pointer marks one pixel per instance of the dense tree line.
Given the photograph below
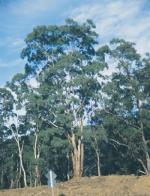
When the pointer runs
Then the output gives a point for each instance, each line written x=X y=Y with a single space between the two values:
x=75 y=119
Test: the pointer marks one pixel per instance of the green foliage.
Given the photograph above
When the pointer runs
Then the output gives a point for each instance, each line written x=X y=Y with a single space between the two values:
x=71 y=89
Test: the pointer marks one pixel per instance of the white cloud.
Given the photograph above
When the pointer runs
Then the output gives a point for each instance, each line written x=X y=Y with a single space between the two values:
x=118 y=18
x=13 y=43
x=143 y=44
x=117 y=10
x=17 y=43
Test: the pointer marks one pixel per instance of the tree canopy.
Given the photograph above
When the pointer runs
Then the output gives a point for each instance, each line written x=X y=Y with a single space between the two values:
x=76 y=120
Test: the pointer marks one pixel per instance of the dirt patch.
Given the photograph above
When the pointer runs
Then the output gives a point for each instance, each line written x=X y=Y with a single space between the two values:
x=94 y=186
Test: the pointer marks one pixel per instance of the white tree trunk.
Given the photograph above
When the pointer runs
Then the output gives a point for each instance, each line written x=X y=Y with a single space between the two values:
x=147 y=157
x=20 y=152
x=21 y=163
x=36 y=157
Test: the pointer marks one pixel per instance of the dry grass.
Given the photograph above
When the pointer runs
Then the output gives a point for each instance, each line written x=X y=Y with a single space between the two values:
x=94 y=186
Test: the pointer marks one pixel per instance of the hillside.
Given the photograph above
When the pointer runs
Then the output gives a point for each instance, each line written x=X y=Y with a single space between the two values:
x=94 y=186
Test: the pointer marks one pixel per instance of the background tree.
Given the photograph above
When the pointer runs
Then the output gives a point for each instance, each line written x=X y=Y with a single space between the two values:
x=12 y=117
x=127 y=101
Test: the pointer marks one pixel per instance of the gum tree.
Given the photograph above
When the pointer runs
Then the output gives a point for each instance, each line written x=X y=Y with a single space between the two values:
x=67 y=67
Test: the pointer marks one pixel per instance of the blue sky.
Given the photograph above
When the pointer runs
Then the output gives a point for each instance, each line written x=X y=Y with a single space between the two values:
x=128 y=19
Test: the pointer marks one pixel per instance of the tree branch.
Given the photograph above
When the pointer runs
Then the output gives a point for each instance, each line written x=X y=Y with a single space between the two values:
x=143 y=165
x=120 y=144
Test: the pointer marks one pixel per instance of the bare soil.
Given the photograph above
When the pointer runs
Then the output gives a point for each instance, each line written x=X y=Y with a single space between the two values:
x=93 y=186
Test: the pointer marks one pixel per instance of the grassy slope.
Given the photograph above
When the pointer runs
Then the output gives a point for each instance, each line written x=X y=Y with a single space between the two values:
x=94 y=186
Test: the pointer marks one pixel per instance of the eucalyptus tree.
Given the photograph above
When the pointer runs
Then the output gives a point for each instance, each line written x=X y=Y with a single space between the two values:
x=95 y=137
x=67 y=66
x=128 y=101
x=29 y=104
x=12 y=117
x=5 y=155
x=34 y=111
x=142 y=94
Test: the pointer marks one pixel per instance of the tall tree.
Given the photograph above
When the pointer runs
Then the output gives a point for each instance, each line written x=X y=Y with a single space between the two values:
x=69 y=71
x=13 y=117
x=128 y=100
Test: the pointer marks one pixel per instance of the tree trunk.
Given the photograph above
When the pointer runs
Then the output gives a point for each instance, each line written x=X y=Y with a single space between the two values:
x=77 y=152
x=98 y=164
x=82 y=148
x=18 y=176
x=148 y=164
x=37 y=176
x=11 y=183
x=21 y=164
x=147 y=157
x=2 y=179
x=20 y=151
x=76 y=156
x=30 y=178
x=36 y=157
x=97 y=153
x=68 y=167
